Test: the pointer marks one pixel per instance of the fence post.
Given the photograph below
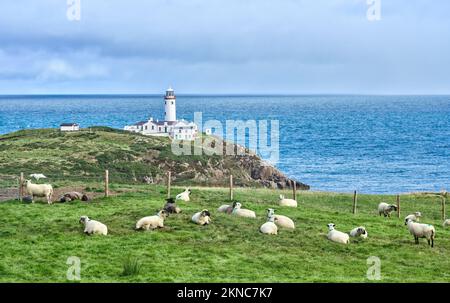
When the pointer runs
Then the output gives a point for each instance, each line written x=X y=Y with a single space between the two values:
x=169 y=177
x=294 y=190
x=231 y=187
x=106 y=183
x=355 y=199
x=443 y=207
x=21 y=187
x=398 y=206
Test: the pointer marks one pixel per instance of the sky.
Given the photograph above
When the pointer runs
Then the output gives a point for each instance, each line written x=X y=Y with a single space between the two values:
x=225 y=47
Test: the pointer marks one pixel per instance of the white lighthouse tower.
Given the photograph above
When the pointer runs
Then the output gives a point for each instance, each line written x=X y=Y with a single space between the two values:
x=170 y=106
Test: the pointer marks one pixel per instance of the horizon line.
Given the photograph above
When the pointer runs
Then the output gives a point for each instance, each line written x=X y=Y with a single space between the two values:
x=218 y=94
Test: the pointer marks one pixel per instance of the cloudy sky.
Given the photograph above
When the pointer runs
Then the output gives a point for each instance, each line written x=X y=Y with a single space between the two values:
x=225 y=46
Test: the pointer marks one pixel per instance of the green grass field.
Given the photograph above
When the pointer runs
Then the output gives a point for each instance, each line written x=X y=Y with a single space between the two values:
x=36 y=240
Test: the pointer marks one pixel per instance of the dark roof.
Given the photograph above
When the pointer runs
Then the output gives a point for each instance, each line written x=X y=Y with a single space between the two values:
x=69 y=124
x=168 y=122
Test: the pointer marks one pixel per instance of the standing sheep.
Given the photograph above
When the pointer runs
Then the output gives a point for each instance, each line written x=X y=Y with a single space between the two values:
x=269 y=228
x=39 y=190
x=419 y=230
x=241 y=212
x=280 y=220
x=337 y=236
x=184 y=196
x=386 y=209
x=359 y=232
x=202 y=218
x=414 y=217
x=287 y=202
x=92 y=227
x=152 y=222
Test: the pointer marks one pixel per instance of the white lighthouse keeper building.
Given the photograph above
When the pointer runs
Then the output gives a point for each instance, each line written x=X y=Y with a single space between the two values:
x=170 y=106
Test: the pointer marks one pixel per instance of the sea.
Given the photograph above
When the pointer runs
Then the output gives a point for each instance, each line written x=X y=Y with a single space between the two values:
x=340 y=143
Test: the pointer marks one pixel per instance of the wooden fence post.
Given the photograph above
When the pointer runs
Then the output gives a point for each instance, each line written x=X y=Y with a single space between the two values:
x=398 y=206
x=443 y=207
x=106 y=183
x=231 y=187
x=21 y=179
x=169 y=178
x=294 y=190
x=355 y=200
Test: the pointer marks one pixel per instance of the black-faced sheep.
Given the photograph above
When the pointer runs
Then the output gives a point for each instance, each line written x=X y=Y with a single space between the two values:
x=202 y=218
x=171 y=207
x=386 y=209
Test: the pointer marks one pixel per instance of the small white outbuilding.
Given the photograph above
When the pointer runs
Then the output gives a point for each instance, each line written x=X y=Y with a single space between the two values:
x=69 y=127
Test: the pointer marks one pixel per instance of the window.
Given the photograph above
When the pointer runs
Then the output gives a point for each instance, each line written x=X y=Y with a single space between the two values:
x=153 y=127
x=172 y=102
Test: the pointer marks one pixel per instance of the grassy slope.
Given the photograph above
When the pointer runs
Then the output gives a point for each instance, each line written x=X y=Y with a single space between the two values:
x=35 y=241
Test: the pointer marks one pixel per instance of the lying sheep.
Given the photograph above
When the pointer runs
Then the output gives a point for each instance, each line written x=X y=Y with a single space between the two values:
x=420 y=230
x=280 y=220
x=269 y=228
x=228 y=209
x=39 y=190
x=446 y=223
x=386 y=209
x=241 y=212
x=92 y=227
x=287 y=202
x=184 y=196
x=71 y=196
x=337 y=236
x=414 y=217
x=171 y=207
x=202 y=218
x=152 y=222
x=359 y=232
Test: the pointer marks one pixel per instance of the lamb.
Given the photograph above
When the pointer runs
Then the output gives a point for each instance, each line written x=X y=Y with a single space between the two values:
x=280 y=220
x=414 y=217
x=359 y=232
x=184 y=196
x=386 y=209
x=420 y=230
x=337 y=236
x=202 y=218
x=228 y=209
x=171 y=207
x=152 y=222
x=269 y=228
x=92 y=227
x=241 y=212
x=287 y=202
x=39 y=190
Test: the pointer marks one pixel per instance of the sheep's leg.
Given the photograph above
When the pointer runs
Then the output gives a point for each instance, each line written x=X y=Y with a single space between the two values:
x=429 y=242
x=416 y=239
x=432 y=242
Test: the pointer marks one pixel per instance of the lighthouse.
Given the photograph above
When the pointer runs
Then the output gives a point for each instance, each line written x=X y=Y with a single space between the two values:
x=170 y=106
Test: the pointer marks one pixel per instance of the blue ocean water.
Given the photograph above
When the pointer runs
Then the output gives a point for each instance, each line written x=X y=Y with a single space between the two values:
x=373 y=144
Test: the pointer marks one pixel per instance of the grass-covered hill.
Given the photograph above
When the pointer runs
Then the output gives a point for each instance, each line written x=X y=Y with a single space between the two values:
x=37 y=239
x=129 y=157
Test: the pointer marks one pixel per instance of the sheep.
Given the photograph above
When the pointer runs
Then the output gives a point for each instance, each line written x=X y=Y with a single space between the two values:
x=85 y=198
x=414 y=217
x=386 y=209
x=184 y=196
x=202 y=218
x=71 y=196
x=152 y=222
x=287 y=202
x=269 y=228
x=280 y=220
x=359 y=232
x=337 y=236
x=238 y=211
x=39 y=190
x=228 y=209
x=420 y=230
x=38 y=176
x=171 y=206
x=446 y=223
x=93 y=227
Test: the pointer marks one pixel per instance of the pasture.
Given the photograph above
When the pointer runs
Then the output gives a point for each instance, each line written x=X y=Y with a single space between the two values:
x=36 y=240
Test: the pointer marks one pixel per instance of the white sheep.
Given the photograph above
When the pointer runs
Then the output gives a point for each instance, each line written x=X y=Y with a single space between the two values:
x=420 y=230
x=386 y=209
x=287 y=202
x=414 y=217
x=92 y=227
x=241 y=212
x=39 y=190
x=280 y=220
x=184 y=196
x=359 y=232
x=152 y=222
x=202 y=218
x=446 y=223
x=337 y=236
x=269 y=228
x=38 y=176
